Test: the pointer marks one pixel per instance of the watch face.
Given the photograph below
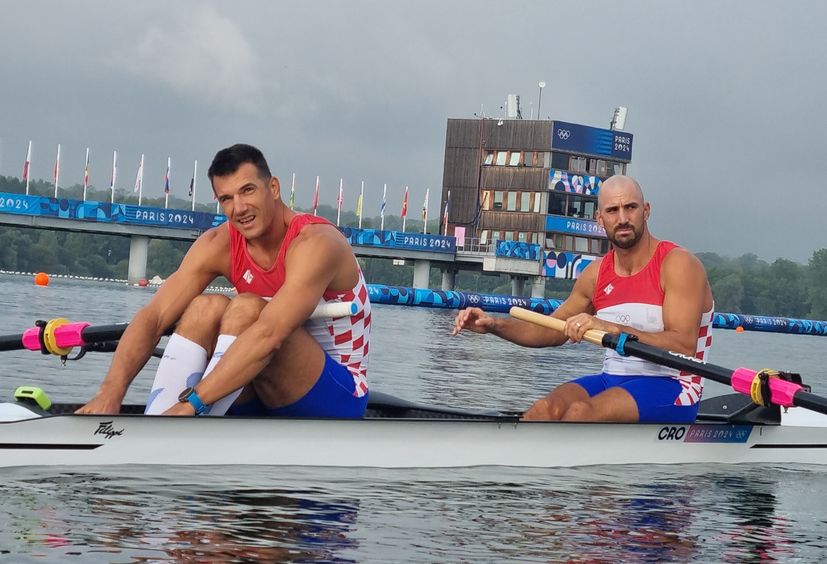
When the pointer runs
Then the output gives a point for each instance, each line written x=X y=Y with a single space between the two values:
x=183 y=396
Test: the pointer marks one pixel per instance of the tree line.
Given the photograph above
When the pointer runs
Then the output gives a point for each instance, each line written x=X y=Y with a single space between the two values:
x=746 y=284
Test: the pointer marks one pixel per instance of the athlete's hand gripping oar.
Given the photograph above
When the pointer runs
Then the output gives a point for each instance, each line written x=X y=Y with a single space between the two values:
x=59 y=336
x=764 y=387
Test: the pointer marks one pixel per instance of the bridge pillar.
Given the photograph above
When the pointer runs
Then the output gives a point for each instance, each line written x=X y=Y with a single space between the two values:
x=538 y=287
x=449 y=278
x=422 y=273
x=138 y=250
x=517 y=285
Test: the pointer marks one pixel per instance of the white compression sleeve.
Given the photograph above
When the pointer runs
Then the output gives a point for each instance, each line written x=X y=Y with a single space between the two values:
x=221 y=406
x=181 y=367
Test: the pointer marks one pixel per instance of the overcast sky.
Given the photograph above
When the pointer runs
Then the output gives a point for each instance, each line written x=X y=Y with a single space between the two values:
x=726 y=99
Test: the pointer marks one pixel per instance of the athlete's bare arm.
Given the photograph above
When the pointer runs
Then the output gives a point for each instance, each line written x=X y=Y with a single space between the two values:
x=686 y=297
x=204 y=261
x=529 y=334
x=318 y=259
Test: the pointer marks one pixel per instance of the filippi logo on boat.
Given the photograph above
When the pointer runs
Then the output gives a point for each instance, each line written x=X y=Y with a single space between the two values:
x=108 y=430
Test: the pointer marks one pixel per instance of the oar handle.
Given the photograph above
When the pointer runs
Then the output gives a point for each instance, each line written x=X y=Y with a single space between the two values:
x=594 y=336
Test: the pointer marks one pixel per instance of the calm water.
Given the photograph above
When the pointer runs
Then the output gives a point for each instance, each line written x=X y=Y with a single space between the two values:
x=705 y=513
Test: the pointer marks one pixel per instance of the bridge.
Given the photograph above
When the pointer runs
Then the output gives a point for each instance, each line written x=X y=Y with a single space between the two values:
x=521 y=261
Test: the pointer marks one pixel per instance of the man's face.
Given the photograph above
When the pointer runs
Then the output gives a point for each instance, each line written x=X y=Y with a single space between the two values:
x=623 y=214
x=247 y=200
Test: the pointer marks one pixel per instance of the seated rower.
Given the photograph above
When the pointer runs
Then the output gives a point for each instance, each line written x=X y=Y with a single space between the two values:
x=652 y=289
x=267 y=357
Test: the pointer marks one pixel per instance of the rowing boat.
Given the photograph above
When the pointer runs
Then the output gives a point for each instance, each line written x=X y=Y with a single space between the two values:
x=399 y=434
x=778 y=421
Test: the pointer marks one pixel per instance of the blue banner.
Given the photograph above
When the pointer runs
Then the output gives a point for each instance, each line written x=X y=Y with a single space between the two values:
x=400 y=240
x=582 y=139
x=105 y=212
x=574 y=226
x=518 y=249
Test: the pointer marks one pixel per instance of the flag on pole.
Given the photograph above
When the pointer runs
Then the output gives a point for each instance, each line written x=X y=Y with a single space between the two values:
x=339 y=202
x=425 y=211
x=166 y=183
x=445 y=214
x=405 y=203
x=26 y=166
x=405 y=209
x=114 y=176
x=192 y=183
x=293 y=191
x=86 y=174
x=316 y=197
x=359 y=204
x=57 y=169
x=139 y=180
x=382 y=207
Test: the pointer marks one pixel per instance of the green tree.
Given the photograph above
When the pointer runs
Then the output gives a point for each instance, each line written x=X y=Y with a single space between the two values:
x=817 y=278
x=728 y=292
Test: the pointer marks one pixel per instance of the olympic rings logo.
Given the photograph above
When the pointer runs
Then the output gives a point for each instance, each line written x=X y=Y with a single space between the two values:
x=623 y=319
x=563 y=134
x=473 y=299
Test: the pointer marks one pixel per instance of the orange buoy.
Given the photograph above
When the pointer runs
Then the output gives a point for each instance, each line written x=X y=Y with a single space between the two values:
x=739 y=329
x=143 y=282
x=41 y=279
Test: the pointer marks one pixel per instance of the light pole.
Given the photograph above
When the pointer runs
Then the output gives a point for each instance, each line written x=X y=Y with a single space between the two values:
x=542 y=85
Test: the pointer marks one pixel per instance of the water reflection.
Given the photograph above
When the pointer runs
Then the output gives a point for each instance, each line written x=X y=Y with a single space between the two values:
x=151 y=520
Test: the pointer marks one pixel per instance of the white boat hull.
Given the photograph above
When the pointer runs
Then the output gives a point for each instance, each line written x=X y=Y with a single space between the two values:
x=394 y=443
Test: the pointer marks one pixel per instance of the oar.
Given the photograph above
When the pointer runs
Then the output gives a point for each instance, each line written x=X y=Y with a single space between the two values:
x=58 y=336
x=764 y=386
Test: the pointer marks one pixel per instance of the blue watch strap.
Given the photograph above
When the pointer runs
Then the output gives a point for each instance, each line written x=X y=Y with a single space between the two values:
x=196 y=402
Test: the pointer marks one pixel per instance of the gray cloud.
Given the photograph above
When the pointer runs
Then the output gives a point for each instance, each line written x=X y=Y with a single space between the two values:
x=724 y=97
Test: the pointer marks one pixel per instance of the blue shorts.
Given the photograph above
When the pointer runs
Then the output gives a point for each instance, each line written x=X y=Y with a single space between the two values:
x=654 y=395
x=333 y=395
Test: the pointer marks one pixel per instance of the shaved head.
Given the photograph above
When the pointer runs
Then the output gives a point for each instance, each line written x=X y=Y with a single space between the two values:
x=622 y=212
x=619 y=184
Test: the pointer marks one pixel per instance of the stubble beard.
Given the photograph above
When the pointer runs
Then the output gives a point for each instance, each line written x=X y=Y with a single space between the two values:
x=637 y=234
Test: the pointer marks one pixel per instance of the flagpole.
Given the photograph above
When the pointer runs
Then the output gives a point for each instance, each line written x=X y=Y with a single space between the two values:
x=425 y=212
x=316 y=197
x=339 y=203
x=114 y=176
x=359 y=206
x=139 y=180
x=293 y=191
x=382 y=208
x=166 y=183
x=27 y=167
x=86 y=175
x=405 y=210
x=445 y=215
x=57 y=169
x=194 y=181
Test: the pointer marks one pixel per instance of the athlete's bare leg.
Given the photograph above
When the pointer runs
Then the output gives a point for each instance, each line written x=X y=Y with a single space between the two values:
x=291 y=371
x=554 y=405
x=570 y=402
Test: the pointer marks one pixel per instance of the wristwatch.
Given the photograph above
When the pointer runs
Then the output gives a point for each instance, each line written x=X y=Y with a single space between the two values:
x=189 y=395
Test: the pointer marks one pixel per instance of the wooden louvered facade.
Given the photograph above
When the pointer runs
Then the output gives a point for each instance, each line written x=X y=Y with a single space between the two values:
x=504 y=181
x=466 y=143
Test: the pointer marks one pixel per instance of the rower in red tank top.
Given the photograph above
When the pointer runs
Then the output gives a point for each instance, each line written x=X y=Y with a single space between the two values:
x=259 y=353
x=652 y=289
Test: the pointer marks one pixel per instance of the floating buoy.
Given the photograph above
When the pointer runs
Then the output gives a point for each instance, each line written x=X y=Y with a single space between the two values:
x=143 y=282
x=739 y=329
x=41 y=279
